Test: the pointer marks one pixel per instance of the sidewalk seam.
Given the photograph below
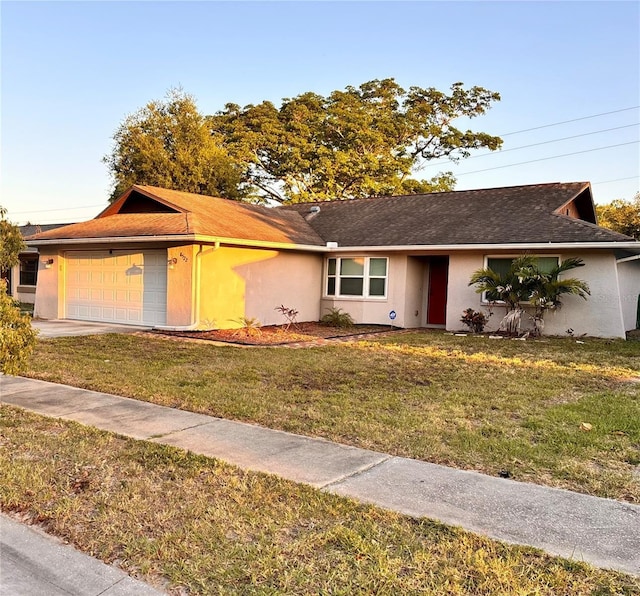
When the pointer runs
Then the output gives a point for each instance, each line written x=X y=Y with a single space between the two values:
x=180 y=430
x=358 y=472
x=112 y=585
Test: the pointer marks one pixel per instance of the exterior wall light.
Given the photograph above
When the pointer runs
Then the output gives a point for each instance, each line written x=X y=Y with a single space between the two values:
x=48 y=263
x=172 y=262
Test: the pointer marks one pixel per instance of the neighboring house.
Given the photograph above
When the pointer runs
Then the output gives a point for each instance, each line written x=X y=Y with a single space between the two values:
x=21 y=279
x=167 y=258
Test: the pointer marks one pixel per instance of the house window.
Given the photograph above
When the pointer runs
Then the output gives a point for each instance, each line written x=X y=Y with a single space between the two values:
x=502 y=265
x=364 y=277
x=28 y=270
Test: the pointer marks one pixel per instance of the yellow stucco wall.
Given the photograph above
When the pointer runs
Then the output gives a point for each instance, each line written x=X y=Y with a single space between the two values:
x=252 y=282
x=181 y=266
x=233 y=283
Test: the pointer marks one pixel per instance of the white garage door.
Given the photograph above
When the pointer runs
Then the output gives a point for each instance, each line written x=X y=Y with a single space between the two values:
x=117 y=286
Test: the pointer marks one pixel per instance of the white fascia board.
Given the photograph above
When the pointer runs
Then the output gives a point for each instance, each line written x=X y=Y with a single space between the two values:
x=110 y=240
x=485 y=247
x=260 y=244
x=183 y=238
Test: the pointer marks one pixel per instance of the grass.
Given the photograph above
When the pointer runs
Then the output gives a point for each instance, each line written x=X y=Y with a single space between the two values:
x=194 y=525
x=496 y=406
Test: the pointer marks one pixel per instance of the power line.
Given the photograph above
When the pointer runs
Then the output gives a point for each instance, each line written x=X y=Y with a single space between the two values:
x=494 y=153
x=46 y=221
x=546 y=158
x=59 y=209
x=517 y=132
x=636 y=177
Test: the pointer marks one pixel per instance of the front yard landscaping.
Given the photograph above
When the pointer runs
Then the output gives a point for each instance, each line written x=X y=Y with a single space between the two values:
x=275 y=335
x=194 y=525
x=559 y=412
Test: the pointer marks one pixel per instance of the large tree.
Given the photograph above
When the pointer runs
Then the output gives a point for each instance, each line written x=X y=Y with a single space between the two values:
x=168 y=143
x=621 y=216
x=357 y=142
x=17 y=337
x=370 y=140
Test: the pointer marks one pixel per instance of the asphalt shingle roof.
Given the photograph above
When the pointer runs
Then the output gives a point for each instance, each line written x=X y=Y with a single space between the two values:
x=195 y=215
x=31 y=229
x=511 y=215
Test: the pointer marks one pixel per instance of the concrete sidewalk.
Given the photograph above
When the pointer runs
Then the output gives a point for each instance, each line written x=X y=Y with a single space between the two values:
x=34 y=563
x=603 y=532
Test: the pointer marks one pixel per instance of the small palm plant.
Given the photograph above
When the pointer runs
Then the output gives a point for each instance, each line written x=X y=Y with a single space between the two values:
x=508 y=288
x=525 y=282
x=547 y=289
x=249 y=326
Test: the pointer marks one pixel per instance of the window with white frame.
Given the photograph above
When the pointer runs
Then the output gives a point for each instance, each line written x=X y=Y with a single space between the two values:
x=364 y=277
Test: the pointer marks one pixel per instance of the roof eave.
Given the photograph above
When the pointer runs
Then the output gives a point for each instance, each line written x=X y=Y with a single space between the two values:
x=635 y=246
x=190 y=238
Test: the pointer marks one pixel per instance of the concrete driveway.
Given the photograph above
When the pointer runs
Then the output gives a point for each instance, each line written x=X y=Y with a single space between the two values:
x=67 y=328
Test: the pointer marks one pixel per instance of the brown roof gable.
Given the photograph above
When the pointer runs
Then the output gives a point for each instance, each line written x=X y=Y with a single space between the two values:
x=511 y=215
x=181 y=213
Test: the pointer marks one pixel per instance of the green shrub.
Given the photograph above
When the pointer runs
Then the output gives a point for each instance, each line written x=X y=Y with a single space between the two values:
x=336 y=317
x=17 y=337
x=474 y=320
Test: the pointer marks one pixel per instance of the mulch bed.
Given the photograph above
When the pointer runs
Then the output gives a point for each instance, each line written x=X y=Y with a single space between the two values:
x=273 y=335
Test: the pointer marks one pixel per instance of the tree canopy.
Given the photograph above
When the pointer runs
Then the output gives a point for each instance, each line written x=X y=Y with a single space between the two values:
x=11 y=242
x=621 y=216
x=169 y=143
x=357 y=142
x=354 y=143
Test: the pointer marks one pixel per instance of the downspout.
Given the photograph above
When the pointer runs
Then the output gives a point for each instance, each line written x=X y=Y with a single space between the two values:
x=195 y=299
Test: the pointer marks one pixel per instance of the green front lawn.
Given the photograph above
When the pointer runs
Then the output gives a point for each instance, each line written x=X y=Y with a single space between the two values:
x=470 y=402
x=194 y=525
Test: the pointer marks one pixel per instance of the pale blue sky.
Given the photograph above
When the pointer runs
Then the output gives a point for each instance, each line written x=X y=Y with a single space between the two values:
x=71 y=71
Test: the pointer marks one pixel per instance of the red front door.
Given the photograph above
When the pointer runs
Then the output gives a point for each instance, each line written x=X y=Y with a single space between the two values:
x=437 y=298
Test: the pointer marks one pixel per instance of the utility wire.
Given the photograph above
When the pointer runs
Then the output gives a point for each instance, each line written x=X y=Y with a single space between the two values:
x=636 y=177
x=546 y=158
x=517 y=132
x=59 y=209
x=501 y=151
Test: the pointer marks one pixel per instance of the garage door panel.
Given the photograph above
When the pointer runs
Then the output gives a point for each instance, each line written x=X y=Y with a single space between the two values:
x=117 y=286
